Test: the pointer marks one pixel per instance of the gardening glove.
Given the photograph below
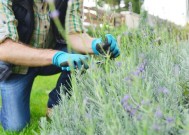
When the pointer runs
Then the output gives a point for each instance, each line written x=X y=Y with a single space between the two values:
x=66 y=60
x=110 y=46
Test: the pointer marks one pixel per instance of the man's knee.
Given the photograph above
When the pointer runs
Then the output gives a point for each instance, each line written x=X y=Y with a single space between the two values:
x=15 y=125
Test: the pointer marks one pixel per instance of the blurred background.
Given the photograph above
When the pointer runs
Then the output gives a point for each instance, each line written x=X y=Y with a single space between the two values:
x=128 y=11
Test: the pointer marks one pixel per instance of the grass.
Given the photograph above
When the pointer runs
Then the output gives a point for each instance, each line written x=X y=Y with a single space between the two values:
x=38 y=101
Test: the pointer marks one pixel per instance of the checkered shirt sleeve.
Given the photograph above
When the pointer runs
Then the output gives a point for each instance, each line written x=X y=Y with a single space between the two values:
x=8 y=23
x=74 y=17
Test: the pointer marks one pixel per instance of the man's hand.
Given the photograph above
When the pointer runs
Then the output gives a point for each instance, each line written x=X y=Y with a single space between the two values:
x=63 y=59
x=110 y=46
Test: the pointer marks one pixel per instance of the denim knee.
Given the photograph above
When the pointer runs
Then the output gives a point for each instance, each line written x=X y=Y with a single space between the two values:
x=14 y=126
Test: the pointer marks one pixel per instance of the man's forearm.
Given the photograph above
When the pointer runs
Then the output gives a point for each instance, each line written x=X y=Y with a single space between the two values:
x=20 y=54
x=81 y=43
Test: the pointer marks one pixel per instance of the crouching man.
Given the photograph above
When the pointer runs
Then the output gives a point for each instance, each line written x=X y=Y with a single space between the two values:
x=30 y=45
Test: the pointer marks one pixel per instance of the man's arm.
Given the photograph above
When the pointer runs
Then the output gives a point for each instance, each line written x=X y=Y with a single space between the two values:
x=13 y=52
x=19 y=54
x=81 y=43
x=76 y=38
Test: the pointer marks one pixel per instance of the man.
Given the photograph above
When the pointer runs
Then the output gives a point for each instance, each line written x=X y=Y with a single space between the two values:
x=33 y=46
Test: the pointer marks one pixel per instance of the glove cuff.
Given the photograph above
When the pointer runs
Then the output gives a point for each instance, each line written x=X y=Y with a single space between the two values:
x=55 y=58
x=94 y=44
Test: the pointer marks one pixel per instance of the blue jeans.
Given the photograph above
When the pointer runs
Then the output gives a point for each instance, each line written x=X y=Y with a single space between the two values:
x=15 y=92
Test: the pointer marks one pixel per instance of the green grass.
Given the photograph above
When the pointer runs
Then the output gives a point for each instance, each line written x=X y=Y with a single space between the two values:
x=39 y=96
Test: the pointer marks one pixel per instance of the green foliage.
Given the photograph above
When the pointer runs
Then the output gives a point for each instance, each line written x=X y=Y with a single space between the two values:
x=141 y=92
x=136 y=4
x=112 y=2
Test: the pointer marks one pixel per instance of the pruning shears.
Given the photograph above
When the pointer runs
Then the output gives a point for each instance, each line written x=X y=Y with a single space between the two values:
x=66 y=68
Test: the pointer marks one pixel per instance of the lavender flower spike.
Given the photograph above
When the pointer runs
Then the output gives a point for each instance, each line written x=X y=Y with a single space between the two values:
x=158 y=113
x=163 y=90
x=125 y=99
x=128 y=79
x=156 y=127
x=54 y=14
x=119 y=64
x=169 y=120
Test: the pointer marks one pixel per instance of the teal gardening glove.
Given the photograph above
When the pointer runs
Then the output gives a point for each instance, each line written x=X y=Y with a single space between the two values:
x=110 y=46
x=65 y=60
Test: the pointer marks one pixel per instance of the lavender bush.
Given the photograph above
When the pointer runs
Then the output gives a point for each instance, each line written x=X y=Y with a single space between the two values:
x=143 y=92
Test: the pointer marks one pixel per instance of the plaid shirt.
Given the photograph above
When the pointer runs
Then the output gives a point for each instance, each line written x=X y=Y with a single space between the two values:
x=42 y=34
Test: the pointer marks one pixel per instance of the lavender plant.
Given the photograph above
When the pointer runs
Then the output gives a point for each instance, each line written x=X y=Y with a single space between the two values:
x=144 y=91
